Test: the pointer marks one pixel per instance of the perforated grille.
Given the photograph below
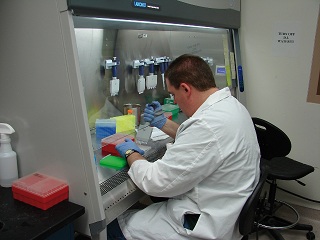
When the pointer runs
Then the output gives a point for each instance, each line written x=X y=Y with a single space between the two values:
x=122 y=175
x=114 y=181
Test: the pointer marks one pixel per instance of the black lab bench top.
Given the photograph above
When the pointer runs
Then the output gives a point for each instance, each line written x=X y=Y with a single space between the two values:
x=19 y=220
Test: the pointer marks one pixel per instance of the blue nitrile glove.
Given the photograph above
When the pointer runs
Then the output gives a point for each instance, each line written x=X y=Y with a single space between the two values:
x=154 y=115
x=127 y=145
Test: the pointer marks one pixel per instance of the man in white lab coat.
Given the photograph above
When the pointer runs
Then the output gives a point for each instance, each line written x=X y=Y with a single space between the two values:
x=207 y=174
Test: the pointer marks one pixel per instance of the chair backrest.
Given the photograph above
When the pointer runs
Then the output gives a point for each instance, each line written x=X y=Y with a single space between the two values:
x=273 y=141
x=247 y=215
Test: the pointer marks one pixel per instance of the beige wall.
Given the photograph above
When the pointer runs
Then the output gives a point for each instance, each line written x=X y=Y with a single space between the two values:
x=276 y=80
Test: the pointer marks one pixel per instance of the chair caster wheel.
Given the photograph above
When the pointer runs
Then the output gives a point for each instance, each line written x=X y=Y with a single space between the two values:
x=310 y=236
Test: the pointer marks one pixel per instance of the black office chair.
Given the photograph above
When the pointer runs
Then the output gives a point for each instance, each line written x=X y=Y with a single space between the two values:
x=250 y=213
x=275 y=146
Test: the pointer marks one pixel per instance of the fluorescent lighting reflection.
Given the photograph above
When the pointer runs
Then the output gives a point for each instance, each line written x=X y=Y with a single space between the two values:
x=153 y=23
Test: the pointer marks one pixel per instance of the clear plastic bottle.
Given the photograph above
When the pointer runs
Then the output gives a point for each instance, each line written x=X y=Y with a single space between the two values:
x=8 y=158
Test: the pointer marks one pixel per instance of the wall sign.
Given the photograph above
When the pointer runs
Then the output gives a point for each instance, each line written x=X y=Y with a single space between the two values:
x=286 y=39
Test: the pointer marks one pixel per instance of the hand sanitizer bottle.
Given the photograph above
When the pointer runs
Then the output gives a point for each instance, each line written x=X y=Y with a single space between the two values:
x=8 y=158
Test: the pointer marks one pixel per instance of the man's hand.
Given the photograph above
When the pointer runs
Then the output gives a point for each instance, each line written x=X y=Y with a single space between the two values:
x=154 y=115
x=128 y=144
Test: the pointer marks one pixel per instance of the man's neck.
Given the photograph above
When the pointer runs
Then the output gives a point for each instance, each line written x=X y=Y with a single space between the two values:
x=200 y=98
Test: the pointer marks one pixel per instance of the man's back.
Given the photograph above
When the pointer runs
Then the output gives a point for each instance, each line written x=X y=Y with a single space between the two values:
x=210 y=170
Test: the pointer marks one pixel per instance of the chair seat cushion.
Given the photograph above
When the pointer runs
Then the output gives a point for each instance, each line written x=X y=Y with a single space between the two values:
x=285 y=168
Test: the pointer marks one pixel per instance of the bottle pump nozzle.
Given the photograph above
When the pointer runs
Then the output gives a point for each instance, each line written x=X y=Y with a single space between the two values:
x=6 y=129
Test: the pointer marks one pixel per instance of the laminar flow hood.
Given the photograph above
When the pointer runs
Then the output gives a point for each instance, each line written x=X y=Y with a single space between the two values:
x=71 y=50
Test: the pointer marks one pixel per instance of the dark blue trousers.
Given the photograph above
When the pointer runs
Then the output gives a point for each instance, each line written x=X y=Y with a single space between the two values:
x=114 y=232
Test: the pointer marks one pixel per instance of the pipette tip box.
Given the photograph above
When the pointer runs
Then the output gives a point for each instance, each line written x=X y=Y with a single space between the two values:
x=40 y=190
x=109 y=143
x=113 y=162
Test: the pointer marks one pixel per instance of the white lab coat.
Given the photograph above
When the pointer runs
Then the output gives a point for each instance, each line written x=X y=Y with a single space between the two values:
x=210 y=170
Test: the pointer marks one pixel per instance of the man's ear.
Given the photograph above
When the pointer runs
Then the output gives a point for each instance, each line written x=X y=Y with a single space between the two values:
x=185 y=87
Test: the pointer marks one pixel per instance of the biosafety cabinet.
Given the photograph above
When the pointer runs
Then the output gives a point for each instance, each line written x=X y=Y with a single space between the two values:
x=64 y=64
